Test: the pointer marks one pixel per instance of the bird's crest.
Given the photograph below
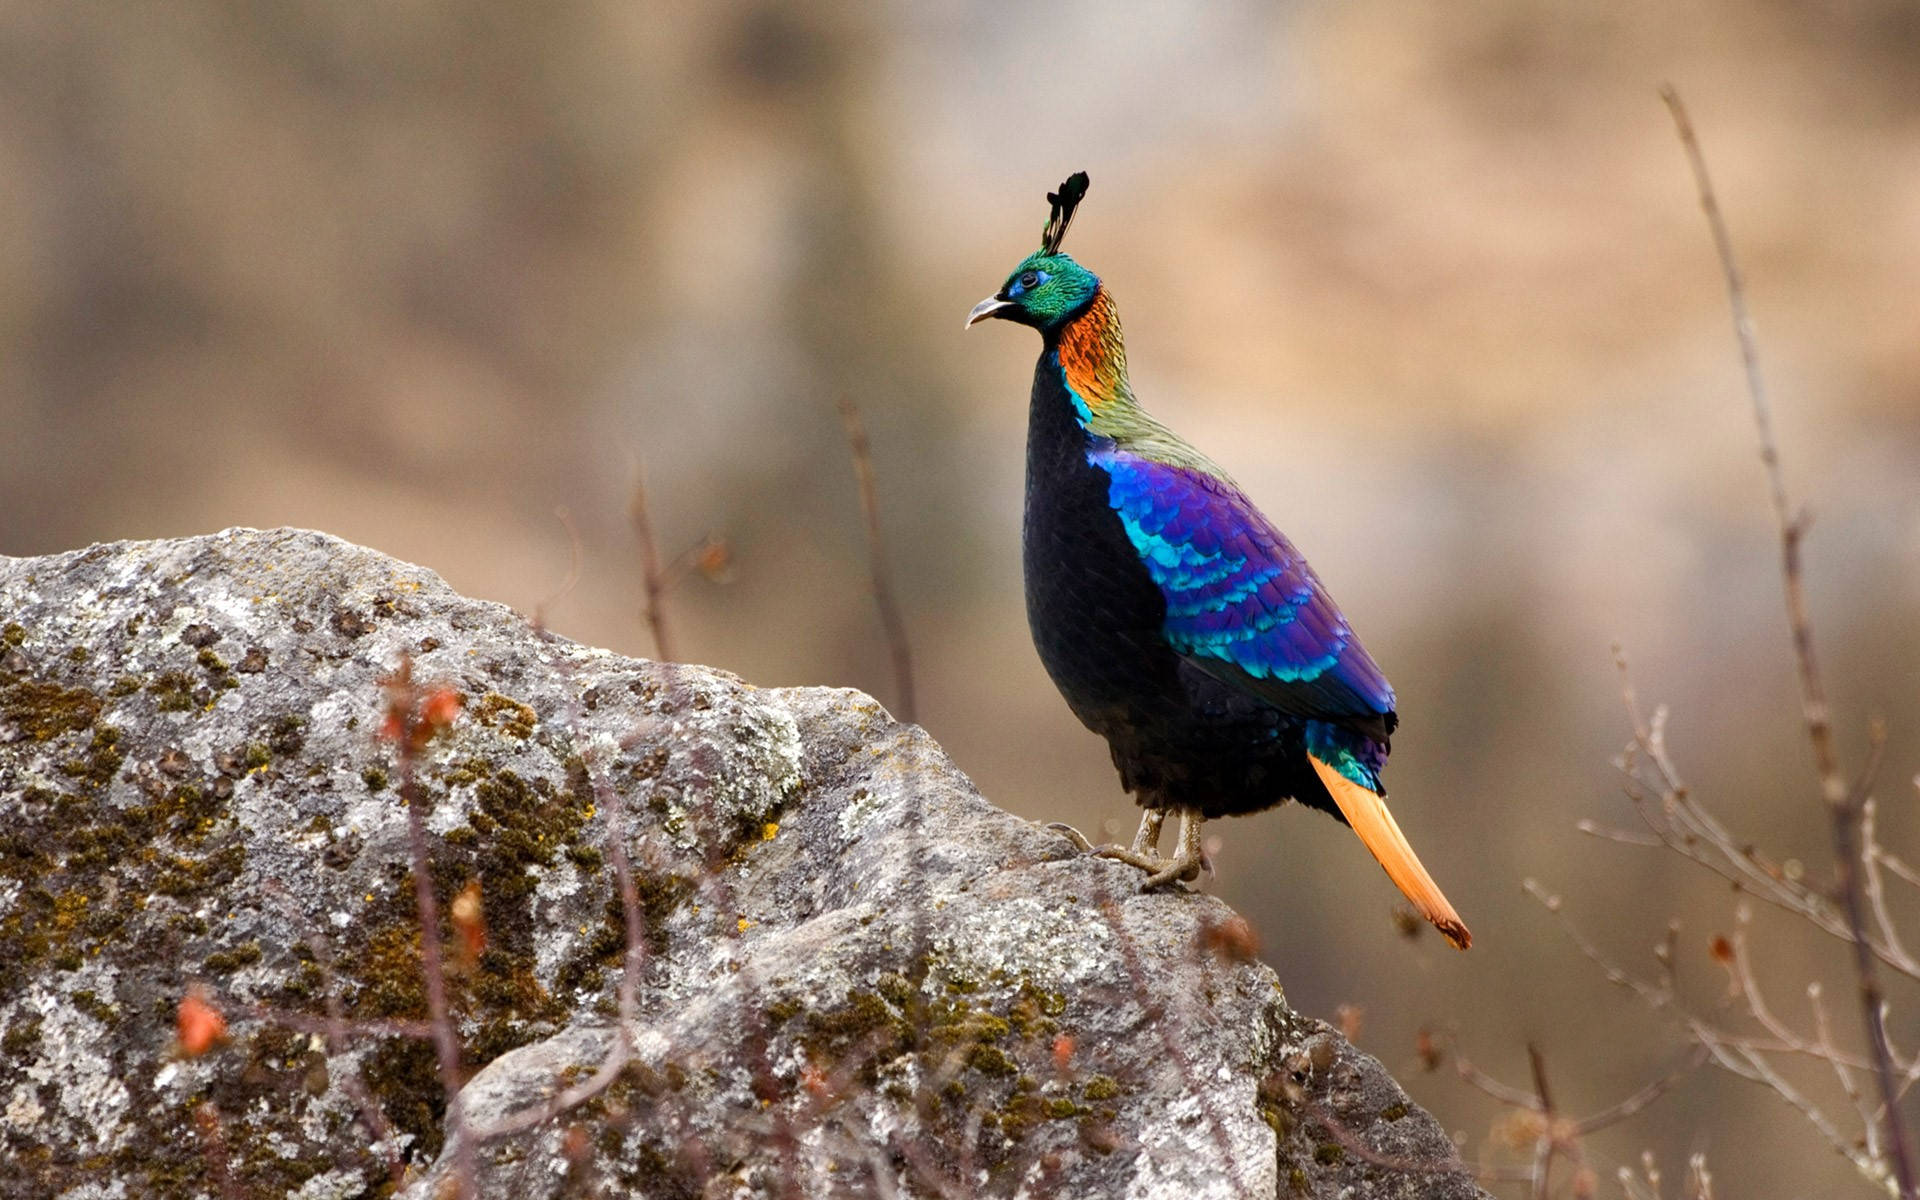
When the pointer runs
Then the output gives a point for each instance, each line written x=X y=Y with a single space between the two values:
x=1064 y=202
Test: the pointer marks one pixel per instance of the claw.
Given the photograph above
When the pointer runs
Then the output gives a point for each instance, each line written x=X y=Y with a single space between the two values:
x=1073 y=835
x=1146 y=862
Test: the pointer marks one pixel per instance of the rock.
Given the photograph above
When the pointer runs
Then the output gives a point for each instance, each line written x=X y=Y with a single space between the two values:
x=858 y=977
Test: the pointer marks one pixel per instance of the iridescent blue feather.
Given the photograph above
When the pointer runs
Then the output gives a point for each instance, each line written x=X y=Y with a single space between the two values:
x=1243 y=605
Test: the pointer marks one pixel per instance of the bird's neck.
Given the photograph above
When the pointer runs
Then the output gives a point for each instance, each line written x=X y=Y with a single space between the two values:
x=1087 y=359
x=1092 y=359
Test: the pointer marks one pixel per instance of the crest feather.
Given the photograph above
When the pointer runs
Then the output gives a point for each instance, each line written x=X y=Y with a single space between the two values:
x=1064 y=202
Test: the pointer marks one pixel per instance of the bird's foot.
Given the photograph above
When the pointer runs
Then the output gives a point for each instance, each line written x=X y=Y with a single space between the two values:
x=1184 y=867
x=1134 y=856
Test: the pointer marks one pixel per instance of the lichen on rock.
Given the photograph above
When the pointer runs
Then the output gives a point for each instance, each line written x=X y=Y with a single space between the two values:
x=860 y=978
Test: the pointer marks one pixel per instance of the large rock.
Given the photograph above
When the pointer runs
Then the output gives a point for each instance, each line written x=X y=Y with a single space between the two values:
x=860 y=978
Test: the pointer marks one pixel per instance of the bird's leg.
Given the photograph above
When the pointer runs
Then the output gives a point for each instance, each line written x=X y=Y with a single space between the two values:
x=1187 y=864
x=1147 y=841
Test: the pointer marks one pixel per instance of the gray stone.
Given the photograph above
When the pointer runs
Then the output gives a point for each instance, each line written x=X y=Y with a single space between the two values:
x=858 y=977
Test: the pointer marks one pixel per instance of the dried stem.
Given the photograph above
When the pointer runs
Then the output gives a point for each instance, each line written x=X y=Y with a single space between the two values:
x=213 y=1147
x=1548 y=1143
x=1839 y=797
x=877 y=571
x=653 y=581
x=575 y=560
x=446 y=1042
x=620 y=1053
x=1559 y=1135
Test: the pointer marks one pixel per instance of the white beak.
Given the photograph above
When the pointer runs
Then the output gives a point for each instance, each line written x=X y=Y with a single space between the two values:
x=992 y=306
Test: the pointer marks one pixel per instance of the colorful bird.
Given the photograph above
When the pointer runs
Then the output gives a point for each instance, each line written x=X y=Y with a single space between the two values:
x=1176 y=620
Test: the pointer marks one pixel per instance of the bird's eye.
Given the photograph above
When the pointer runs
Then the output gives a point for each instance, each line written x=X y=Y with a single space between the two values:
x=1029 y=280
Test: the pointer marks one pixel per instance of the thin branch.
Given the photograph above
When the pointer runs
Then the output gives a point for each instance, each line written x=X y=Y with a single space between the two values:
x=653 y=582
x=1608 y=833
x=446 y=1042
x=1815 y=711
x=1547 y=1144
x=878 y=573
x=621 y=1052
x=575 y=558
x=1871 y=857
x=213 y=1147
x=1737 y=1056
x=1633 y=1104
x=1504 y=1093
x=1823 y=1037
x=1353 y=1144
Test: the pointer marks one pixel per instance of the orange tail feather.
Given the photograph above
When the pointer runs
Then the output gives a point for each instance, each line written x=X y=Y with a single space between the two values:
x=1368 y=815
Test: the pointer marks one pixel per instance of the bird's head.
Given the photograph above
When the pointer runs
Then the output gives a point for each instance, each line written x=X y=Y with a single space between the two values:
x=1048 y=288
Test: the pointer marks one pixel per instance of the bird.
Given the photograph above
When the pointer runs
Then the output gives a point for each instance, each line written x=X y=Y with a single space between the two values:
x=1177 y=621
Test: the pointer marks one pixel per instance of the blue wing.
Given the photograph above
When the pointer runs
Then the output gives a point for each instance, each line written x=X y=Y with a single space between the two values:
x=1242 y=603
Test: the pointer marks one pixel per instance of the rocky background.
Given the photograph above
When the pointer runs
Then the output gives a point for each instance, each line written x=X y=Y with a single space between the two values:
x=855 y=976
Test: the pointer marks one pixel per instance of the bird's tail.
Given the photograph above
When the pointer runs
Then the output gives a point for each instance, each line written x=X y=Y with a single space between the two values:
x=1368 y=815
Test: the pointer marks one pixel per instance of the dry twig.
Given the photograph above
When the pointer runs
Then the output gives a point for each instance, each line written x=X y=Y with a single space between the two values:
x=1843 y=801
x=877 y=571
x=652 y=581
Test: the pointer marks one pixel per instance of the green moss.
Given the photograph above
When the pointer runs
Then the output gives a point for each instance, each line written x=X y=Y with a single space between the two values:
x=1329 y=1154
x=185 y=878
x=1101 y=1087
x=512 y=717
x=967 y=1025
x=13 y=634
x=1297 y=1181
x=517 y=824
x=375 y=778
x=865 y=1026
x=24 y=1034
x=101 y=760
x=77 y=654
x=991 y=1060
x=255 y=757
x=43 y=710
x=1032 y=1011
x=895 y=988
x=189 y=812
x=223 y=962
x=173 y=691
x=287 y=734
x=1393 y=1112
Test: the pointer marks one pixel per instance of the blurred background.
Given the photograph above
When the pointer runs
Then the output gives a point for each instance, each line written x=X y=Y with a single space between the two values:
x=1429 y=279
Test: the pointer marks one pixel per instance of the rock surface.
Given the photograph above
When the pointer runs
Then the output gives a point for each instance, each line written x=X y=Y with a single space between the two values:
x=859 y=978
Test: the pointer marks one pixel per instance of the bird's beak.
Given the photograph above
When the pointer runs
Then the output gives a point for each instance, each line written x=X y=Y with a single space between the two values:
x=992 y=306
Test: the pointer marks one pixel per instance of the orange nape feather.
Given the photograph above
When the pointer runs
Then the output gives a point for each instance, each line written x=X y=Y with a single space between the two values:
x=1368 y=815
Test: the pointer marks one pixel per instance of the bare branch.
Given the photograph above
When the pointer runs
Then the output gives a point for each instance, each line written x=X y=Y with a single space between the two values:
x=1815 y=711
x=877 y=570
x=446 y=1043
x=653 y=582
x=575 y=558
